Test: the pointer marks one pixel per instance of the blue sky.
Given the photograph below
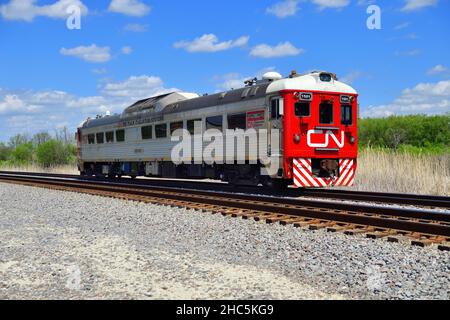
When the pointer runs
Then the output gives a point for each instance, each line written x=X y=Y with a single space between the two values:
x=52 y=77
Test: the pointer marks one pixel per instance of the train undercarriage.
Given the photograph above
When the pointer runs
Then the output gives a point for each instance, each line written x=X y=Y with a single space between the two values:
x=242 y=174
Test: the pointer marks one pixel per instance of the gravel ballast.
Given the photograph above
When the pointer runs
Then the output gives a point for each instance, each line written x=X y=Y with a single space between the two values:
x=63 y=245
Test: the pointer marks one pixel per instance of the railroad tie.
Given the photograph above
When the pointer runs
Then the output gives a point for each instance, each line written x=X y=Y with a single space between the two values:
x=380 y=233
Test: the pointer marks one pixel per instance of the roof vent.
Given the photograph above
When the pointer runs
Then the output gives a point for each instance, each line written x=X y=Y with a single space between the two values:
x=272 y=76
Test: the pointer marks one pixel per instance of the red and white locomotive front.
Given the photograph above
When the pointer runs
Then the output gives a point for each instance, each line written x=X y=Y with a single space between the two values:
x=320 y=142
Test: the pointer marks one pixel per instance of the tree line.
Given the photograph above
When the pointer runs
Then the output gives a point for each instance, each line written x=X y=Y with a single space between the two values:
x=42 y=148
x=414 y=133
x=409 y=133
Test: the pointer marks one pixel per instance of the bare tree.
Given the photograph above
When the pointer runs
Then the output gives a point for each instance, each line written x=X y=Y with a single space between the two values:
x=64 y=135
x=41 y=137
x=17 y=140
x=396 y=136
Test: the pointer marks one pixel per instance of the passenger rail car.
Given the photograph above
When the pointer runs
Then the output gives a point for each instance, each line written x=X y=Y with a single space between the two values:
x=315 y=114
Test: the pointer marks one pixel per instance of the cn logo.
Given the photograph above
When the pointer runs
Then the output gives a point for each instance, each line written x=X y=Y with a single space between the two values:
x=325 y=144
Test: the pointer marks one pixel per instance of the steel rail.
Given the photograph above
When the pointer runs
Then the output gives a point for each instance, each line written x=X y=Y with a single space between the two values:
x=380 y=197
x=384 y=197
x=430 y=223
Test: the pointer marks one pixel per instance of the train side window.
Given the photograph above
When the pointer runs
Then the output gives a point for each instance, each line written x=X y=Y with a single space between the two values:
x=110 y=137
x=237 y=121
x=175 y=125
x=91 y=138
x=146 y=132
x=100 y=137
x=190 y=124
x=120 y=135
x=276 y=108
x=302 y=109
x=346 y=114
x=214 y=122
x=326 y=113
x=161 y=130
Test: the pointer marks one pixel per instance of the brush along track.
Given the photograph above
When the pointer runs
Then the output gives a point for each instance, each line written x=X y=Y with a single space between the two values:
x=375 y=197
x=421 y=227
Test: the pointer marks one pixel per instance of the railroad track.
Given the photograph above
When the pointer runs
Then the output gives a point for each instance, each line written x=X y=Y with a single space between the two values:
x=376 y=197
x=420 y=227
x=381 y=197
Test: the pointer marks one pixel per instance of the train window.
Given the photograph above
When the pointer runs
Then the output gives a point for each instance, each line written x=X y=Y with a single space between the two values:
x=175 y=125
x=302 y=109
x=237 y=121
x=100 y=137
x=120 y=135
x=326 y=113
x=325 y=77
x=276 y=108
x=191 y=125
x=91 y=138
x=161 y=130
x=346 y=114
x=110 y=137
x=146 y=132
x=214 y=122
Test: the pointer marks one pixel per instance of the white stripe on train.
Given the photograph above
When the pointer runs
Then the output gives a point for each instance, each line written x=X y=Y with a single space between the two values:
x=303 y=177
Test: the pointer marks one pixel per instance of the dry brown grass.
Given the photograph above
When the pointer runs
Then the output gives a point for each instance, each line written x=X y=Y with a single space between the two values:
x=66 y=169
x=402 y=172
x=377 y=171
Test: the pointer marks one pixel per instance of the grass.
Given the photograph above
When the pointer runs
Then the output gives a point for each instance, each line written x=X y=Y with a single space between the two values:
x=388 y=171
x=65 y=169
x=378 y=170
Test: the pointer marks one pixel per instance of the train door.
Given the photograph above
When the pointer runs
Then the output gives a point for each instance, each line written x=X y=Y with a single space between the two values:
x=276 y=113
x=78 y=139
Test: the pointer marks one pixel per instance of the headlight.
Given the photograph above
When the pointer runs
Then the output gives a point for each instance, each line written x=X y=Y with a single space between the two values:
x=297 y=138
x=325 y=77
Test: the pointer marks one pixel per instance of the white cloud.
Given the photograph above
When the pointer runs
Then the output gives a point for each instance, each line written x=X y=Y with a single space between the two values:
x=365 y=2
x=413 y=5
x=402 y=26
x=210 y=43
x=424 y=98
x=235 y=80
x=136 y=27
x=351 y=77
x=411 y=36
x=283 y=9
x=91 y=53
x=33 y=111
x=409 y=53
x=27 y=10
x=281 y=50
x=100 y=71
x=126 y=50
x=12 y=103
x=134 y=8
x=336 y=4
x=136 y=87
x=438 y=69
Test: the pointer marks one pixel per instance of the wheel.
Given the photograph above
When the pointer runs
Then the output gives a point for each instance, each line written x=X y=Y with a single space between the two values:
x=276 y=184
x=89 y=172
